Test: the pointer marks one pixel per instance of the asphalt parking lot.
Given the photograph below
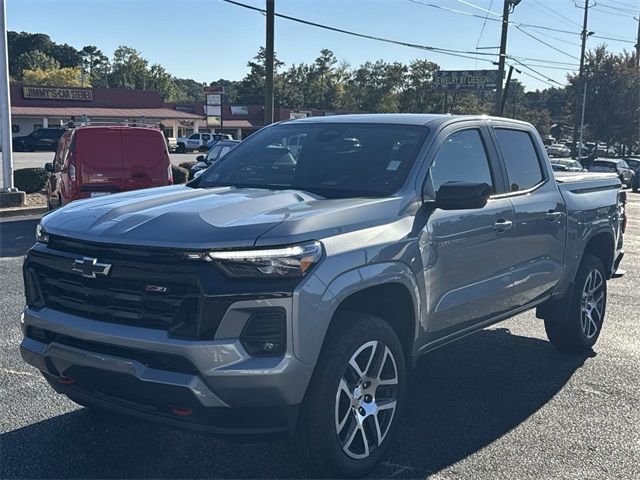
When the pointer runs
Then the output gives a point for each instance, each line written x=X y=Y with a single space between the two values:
x=500 y=404
x=38 y=159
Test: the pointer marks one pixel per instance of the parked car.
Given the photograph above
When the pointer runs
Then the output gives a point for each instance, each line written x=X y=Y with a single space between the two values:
x=221 y=148
x=634 y=164
x=292 y=293
x=558 y=150
x=172 y=144
x=558 y=167
x=41 y=139
x=96 y=161
x=567 y=165
x=197 y=141
x=618 y=166
x=216 y=137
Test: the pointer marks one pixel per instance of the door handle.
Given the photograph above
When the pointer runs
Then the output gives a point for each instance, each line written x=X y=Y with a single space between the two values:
x=553 y=216
x=502 y=225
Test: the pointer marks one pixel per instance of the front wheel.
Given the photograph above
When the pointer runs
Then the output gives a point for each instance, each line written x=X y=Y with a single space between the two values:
x=580 y=329
x=351 y=408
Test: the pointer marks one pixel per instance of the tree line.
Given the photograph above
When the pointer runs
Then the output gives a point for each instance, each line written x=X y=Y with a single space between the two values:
x=612 y=113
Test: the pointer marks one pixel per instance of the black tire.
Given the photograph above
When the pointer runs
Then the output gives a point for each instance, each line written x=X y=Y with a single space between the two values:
x=567 y=332
x=317 y=437
x=181 y=148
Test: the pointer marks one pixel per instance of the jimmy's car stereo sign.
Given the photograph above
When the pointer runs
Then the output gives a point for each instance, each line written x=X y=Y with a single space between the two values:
x=57 y=93
x=464 y=80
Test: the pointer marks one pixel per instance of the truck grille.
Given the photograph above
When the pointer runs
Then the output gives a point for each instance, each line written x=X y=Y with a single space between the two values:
x=144 y=294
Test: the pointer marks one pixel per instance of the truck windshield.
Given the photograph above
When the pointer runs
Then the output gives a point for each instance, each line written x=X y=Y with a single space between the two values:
x=331 y=160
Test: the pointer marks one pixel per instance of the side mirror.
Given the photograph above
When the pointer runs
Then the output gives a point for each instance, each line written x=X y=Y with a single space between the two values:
x=200 y=158
x=48 y=167
x=462 y=195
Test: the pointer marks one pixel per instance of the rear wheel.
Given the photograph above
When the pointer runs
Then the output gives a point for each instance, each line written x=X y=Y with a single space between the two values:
x=181 y=148
x=351 y=408
x=580 y=329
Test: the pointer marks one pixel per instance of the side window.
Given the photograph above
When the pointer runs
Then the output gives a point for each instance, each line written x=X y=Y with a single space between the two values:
x=195 y=136
x=520 y=158
x=214 y=153
x=462 y=157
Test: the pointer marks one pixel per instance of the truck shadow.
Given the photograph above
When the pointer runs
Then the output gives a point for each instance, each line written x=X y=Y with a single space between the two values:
x=461 y=398
x=17 y=236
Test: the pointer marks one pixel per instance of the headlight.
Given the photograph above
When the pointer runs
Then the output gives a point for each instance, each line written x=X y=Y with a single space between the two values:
x=287 y=262
x=41 y=235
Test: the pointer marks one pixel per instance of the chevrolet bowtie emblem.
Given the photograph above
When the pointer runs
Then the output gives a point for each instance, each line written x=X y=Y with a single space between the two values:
x=89 y=267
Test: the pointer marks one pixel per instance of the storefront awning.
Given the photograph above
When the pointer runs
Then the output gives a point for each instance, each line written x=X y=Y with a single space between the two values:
x=94 y=112
x=240 y=124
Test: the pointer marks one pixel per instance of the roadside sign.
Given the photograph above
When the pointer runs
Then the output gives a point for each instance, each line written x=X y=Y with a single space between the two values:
x=213 y=89
x=215 y=110
x=214 y=121
x=214 y=99
x=465 y=80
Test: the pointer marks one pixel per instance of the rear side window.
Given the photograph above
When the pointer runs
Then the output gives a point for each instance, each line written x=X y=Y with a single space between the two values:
x=461 y=158
x=520 y=158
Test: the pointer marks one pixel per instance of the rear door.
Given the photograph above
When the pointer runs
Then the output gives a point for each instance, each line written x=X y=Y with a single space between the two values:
x=99 y=160
x=145 y=159
x=540 y=214
x=467 y=253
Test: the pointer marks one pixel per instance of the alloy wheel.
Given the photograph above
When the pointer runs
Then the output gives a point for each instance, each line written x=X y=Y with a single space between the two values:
x=366 y=399
x=592 y=304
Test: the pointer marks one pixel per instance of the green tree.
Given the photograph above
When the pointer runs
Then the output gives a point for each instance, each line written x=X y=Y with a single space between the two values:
x=159 y=80
x=60 y=77
x=251 y=87
x=128 y=68
x=36 y=60
x=417 y=95
x=375 y=87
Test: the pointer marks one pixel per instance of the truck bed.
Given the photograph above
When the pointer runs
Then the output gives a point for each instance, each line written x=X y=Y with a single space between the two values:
x=579 y=182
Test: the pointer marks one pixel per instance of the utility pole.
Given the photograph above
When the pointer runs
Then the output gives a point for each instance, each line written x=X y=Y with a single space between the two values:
x=507 y=8
x=638 y=43
x=576 y=117
x=506 y=90
x=268 y=84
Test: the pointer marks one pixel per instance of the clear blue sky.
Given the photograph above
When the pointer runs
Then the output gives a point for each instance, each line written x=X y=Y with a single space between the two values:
x=209 y=39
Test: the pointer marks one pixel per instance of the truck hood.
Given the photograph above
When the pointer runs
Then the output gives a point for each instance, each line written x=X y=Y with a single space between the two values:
x=226 y=217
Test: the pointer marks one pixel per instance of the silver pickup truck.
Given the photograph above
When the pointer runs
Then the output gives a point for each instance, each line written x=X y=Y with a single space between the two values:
x=290 y=291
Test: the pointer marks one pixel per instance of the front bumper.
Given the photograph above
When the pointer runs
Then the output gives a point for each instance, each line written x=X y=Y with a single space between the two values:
x=206 y=385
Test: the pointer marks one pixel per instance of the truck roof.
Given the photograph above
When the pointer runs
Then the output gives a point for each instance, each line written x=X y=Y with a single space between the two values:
x=433 y=120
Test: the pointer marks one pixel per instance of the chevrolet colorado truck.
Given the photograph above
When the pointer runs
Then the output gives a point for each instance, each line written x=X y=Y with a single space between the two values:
x=291 y=291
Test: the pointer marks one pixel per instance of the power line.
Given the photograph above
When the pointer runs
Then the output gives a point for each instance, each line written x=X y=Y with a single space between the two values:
x=443 y=51
x=552 y=13
x=545 y=43
x=540 y=27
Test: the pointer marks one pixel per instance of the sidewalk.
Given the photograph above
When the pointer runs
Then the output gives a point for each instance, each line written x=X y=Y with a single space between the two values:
x=22 y=211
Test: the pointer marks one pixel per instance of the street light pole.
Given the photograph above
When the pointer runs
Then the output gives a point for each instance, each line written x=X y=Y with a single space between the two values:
x=268 y=84
x=576 y=116
x=5 y=106
x=584 y=104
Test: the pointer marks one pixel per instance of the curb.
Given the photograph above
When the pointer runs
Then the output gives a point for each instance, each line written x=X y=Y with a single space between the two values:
x=20 y=211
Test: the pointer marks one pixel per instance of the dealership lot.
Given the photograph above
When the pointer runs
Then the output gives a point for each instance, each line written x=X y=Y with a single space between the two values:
x=499 y=404
x=38 y=159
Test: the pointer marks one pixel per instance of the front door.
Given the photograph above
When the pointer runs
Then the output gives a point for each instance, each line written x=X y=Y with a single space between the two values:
x=467 y=253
